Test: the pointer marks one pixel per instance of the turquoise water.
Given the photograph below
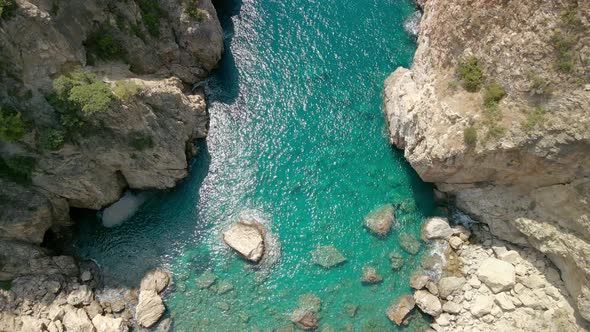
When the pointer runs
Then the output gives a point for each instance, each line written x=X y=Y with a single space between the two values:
x=298 y=140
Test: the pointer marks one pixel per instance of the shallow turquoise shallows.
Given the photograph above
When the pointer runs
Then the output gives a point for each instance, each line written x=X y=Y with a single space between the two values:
x=298 y=140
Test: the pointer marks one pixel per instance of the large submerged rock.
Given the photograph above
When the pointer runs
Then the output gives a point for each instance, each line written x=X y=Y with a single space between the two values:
x=400 y=308
x=379 y=221
x=327 y=256
x=247 y=238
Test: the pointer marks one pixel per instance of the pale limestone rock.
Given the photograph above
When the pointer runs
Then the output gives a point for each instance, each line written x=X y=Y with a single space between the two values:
x=109 y=324
x=482 y=305
x=436 y=228
x=510 y=256
x=452 y=307
x=149 y=308
x=400 y=308
x=82 y=295
x=156 y=280
x=247 y=238
x=504 y=302
x=455 y=242
x=534 y=281
x=77 y=320
x=419 y=281
x=496 y=274
x=428 y=303
x=449 y=285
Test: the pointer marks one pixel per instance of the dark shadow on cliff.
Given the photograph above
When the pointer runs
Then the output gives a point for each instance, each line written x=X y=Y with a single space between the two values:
x=148 y=239
x=223 y=85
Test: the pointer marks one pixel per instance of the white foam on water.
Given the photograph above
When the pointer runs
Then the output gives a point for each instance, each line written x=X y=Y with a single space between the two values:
x=412 y=23
x=123 y=209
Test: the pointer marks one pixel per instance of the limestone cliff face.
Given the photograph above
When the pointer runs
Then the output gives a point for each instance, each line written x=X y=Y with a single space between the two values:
x=525 y=168
x=143 y=140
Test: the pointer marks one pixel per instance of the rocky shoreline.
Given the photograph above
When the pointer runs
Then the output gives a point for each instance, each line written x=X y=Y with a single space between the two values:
x=488 y=284
x=493 y=111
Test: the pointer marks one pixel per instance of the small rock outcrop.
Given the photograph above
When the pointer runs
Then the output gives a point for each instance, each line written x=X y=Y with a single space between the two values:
x=247 y=238
x=497 y=275
x=370 y=276
x=304 y=319
x=327 y=256
x=400 y=309
x=428 y=303
x=150 y=306
x=436 y=228
x=109 y=324
x=380 y=221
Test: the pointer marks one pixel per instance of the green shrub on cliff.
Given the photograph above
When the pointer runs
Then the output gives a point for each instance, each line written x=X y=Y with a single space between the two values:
x=194 y=12
x=102 y=45
x=470 y=135
x=82 y=90
x=152 y=13
x=7 y=8
x=494 y=92
x=52 y=139
x=563 y=44
x=534 y=118
x=76 y=96
x=470 y=74
x=141 y=141
x=125 y=90
x=17 y=168
x=12 y=127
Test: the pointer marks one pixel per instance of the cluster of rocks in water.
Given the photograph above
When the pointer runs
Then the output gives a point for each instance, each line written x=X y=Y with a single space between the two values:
x=486 y=285
x=63 y=299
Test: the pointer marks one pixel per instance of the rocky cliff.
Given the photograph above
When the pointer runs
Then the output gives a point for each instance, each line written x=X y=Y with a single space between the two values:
x=95 y=97
x=494 y=111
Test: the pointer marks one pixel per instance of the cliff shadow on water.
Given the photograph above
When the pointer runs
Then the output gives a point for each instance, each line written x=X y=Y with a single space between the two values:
x=223 y=85
x=146 y=238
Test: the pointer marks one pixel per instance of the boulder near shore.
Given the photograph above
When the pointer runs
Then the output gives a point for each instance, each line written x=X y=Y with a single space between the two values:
x=247 y=238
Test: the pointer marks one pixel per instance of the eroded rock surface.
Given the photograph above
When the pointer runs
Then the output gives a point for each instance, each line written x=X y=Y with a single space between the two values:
x=520 y=163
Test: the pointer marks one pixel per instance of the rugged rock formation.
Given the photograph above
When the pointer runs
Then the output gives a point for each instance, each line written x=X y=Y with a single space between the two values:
x=148 y=53
x=514 y=152
x=537 y=301
x=247 y=238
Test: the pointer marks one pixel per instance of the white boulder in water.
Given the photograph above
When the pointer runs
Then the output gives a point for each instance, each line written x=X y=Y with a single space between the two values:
x=247 y=238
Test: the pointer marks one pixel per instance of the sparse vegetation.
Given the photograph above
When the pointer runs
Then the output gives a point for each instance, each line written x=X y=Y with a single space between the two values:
x=83 y=91
x=17 y=168
x=141 y=141
x=493 y=116
x=194 y=12
x=534 y=118
x=470 y=74
x=102 y=45
x=52 y=139
x=152 y=13
x=563 y=44
x=494 y=92
x=470 y=135
x=11 y=126
x=76 y=96
x=564 y=39
x=453 y=85
x=125 y=90
x=539 y=86
x=7 y=8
